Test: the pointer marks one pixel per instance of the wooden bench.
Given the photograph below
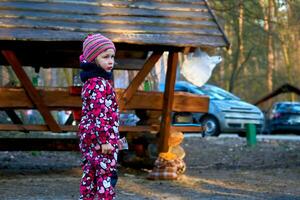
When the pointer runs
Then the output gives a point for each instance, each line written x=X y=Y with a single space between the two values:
x=62 y=99
x=70 y=128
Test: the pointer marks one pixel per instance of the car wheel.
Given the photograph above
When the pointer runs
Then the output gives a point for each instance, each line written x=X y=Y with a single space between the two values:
x=268 y=131
x=211 y=125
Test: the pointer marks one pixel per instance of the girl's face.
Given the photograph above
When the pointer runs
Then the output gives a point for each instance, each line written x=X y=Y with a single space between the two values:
x=106 y=60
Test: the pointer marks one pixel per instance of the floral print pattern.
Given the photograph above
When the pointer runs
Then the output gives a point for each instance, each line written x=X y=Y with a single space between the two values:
x=99 y=125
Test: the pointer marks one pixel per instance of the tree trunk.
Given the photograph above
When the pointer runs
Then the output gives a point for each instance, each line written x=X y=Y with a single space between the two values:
x=239 y=48
x=269 y=30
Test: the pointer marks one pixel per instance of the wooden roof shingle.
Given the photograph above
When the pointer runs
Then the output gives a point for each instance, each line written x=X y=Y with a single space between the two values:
x=177 y=23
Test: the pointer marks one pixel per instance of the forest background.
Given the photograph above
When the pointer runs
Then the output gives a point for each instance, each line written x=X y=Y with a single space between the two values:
x=264 y=52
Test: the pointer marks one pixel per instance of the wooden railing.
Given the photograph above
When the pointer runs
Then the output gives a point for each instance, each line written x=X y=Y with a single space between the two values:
x=62 y=99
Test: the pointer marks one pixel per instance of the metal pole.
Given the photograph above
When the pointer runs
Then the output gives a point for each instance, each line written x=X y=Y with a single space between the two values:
x=251 y=135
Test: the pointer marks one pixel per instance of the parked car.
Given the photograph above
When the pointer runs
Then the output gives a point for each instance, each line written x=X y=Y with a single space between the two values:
x=284 y=117
x=227 y=113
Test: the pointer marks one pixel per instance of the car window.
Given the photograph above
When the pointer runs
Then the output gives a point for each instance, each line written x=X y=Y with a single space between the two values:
x=178 y=87
x=208 y=90
x=288 y=108
x=181 y=88
x=216 y=93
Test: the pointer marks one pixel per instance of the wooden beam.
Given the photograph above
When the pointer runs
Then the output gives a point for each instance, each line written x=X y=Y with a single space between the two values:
x=282 y=89
x=140 y=77
x=129 y=64
x=23 y=127
x=168 y=100
x=35 y=127
x=64 y=54
x=39 y=144
x=14 y=118
x=61 y=99
x=188 y=128
x=53 y=143
x=70 y=128
x=31 y=91
x=186 y=50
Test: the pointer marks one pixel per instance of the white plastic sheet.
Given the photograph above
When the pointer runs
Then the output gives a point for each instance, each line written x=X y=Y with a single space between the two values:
x=198 y=66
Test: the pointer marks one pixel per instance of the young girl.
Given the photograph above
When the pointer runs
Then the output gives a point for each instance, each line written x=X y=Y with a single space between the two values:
x=98 y=128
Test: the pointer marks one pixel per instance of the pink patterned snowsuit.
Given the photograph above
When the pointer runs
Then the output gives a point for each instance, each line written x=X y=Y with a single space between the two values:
x=99 y=125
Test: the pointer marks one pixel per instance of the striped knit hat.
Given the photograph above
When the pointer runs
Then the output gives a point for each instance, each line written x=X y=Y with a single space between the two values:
x=93 y=45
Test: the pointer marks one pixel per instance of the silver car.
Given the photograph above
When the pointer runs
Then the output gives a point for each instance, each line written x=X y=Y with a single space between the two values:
x=227 y=112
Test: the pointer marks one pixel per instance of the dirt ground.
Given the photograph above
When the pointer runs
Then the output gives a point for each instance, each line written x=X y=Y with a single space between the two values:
x=217 y=169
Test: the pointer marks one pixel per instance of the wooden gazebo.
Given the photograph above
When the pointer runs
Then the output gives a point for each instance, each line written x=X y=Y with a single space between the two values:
x=285 y=88
x=49 y=33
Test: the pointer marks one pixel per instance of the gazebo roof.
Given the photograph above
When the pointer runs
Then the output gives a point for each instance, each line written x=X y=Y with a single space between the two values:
x=173 y=23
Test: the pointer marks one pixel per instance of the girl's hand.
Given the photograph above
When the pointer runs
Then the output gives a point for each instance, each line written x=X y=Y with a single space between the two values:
x=107 y=148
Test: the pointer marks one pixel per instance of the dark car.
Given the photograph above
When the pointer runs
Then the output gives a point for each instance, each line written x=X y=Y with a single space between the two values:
x=284 y=117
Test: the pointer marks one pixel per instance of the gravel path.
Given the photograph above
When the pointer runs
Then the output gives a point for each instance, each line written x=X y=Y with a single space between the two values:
x=218 y=168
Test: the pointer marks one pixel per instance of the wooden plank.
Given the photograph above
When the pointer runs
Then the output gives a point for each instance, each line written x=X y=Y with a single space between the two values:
x=71 y=128
x=92 y=2
x=153 y=128
x=184 y=23
x=31 y=91
x=218 y=24
x=183 y=102
x=188 y=129
x=39 y=144
x=140 y=77
x=163 y=5
x=69 y=59
x=23 y=127
x=193 y=12
x=143 y=100
x=36 y=127
x=14 y=118
x=129 y=64
x=70 y=144
x=186 y=102
x=177 y=1
x=168 y=102
x=12 y=98
x=125 y=39
x=152 y=5
x=112 y=28
x=61 y=99
x=116 y=20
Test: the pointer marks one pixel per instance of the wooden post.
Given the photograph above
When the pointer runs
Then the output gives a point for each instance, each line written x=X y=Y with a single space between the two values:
x=138 y=79
x=31 y=91
x=168 y=99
